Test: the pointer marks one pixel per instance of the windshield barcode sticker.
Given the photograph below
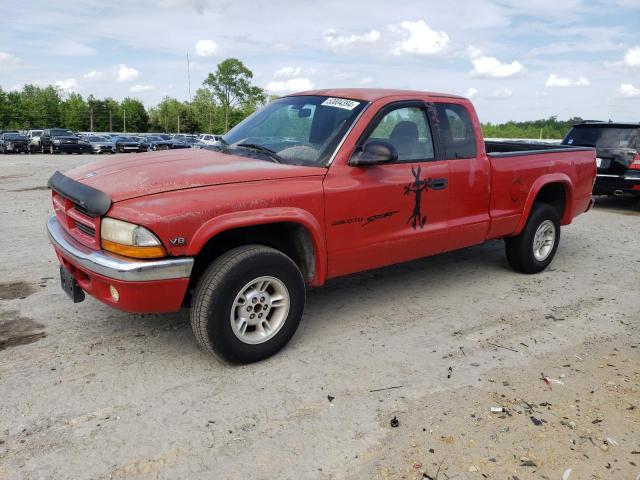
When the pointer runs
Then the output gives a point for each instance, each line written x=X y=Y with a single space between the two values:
x=340 y=103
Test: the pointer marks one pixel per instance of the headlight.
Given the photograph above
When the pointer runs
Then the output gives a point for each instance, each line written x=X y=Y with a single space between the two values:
x=56 y=141
x=130 y=240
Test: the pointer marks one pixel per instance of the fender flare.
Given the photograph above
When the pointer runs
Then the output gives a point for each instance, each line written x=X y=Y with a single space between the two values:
x=250 y=218
x=538 y=185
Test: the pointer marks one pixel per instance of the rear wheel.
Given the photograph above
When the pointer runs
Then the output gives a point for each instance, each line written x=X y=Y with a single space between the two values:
x=51 y=150
x=248 y=304
x=533 y=250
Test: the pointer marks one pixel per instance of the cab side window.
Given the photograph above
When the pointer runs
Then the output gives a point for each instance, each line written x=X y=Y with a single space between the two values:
x=457 y=131
x=408 y=131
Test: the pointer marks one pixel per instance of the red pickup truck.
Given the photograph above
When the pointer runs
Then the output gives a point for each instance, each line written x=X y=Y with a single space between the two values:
x=313 y=186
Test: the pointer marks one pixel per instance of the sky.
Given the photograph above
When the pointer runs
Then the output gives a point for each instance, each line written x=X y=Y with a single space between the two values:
x=516 y=60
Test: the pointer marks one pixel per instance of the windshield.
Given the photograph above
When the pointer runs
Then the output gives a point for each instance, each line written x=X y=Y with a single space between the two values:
x=125 y=139
x=603 y=137
x=300 y=130
x=154 y=139
x=59 y=132
x=97 y=139
x=14 y=136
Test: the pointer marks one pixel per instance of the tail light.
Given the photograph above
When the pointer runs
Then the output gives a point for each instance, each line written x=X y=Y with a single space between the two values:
x=635 y=164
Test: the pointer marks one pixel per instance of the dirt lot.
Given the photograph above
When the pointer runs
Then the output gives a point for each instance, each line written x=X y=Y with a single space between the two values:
x=91 y=393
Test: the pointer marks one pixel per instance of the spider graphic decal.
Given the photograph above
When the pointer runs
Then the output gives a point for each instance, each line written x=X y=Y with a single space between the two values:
x=417 y=187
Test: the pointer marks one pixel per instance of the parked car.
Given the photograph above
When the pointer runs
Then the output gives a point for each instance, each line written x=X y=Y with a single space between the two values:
x=209 y=138
x=617 y=155
x=100 y=144
x=126 y=144
x=179 y=141
x=58 y=140
x=34 y=140
x=371 y=178
x=154 y=143
x=193 y=142
x=14 y=143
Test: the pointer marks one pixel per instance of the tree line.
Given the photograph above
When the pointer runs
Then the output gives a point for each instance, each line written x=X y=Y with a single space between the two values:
x=546 y=128
x=225 y=98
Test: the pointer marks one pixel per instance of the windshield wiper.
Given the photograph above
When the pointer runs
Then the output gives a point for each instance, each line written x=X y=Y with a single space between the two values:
x=261 y=148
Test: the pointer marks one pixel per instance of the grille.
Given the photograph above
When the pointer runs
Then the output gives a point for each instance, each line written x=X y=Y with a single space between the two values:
x=83 y=211
x=80 y=224
x=86 y=229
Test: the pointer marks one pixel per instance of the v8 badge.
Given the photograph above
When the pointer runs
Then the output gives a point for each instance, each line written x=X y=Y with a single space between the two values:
x=178 y=241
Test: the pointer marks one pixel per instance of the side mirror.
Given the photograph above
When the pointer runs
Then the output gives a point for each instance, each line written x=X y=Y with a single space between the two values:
x=375 y=152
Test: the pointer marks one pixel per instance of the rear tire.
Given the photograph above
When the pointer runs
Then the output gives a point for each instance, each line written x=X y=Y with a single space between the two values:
x=238 y=287
x=534 y=248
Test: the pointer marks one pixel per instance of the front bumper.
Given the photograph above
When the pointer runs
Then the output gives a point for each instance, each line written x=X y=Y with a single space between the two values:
x=607 y=184
x=67 y=147
x=17 y=147
x=102 y=149
x=144 y=286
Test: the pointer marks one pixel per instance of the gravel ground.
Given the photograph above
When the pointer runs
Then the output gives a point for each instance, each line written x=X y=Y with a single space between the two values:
x=91 y=393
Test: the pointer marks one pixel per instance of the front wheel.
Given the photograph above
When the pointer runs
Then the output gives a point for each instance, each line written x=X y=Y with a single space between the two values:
x=534 y=248
x=248 y=304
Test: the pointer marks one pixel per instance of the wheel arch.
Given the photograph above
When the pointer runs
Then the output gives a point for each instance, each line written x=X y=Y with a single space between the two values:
x=555 y=190
x=293 y=231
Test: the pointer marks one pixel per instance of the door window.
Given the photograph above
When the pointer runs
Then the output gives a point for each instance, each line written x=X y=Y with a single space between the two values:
x=408 y=131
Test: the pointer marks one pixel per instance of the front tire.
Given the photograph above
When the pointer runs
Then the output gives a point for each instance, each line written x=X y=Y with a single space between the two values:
x=248 y=304
x=534 y=248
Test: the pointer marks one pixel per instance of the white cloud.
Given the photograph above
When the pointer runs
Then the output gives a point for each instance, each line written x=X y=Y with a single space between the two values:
x=6 y=59
x=474 y=52
x=127 y=74
x=291 y=85
x=141 y=88
x=418 y=38
x=335 y=41
x=206 y=48
x=93 y=75
x=632 y=57
x=287 y=72
x=67 y=85
x=501 y=93
x=365 y=80
x=490 y=67
x=471 y=92
x=556 y=81
x=628 y=90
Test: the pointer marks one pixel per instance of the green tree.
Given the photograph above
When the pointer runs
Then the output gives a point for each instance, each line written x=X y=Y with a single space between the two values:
x=208 y=116
x=136 y=115
x=75 y=113
x=231 y=85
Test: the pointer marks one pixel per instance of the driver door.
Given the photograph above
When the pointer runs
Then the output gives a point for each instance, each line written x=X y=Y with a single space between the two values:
x=383 y=214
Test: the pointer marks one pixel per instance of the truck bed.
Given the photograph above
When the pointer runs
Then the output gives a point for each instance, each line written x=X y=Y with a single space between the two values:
x=517 y=149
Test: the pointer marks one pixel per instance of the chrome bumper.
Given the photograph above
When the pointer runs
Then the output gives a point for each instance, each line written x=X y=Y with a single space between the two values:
x=111 y=266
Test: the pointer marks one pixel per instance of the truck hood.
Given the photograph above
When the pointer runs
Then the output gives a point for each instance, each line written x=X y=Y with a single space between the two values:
x=123 y=177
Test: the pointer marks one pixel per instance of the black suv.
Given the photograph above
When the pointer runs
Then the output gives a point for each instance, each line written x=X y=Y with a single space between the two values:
x=13 y=143
x=56 y=140
x=617 y=155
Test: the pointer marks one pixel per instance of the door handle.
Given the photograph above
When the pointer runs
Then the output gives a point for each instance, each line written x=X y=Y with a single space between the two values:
x=439 y=183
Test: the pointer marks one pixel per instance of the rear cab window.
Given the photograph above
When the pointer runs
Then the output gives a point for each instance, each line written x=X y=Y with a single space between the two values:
x=457 y=132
